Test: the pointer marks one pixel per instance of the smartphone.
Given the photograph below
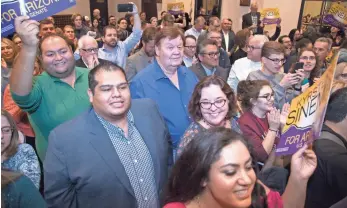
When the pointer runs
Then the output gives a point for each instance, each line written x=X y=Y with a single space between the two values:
x=125 y=7
x=298 y=65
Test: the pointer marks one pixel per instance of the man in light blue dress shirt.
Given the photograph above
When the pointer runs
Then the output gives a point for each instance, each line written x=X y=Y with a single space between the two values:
x=117 y=51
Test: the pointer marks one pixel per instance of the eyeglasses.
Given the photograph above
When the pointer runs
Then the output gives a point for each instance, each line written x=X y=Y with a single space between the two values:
x=6 y=130
x=267 y=96
x=277 y=61
x=90 y=50
x=212 y=54
x=218 y=104
x=251 y=48
x=306 y=58
x=190 y=47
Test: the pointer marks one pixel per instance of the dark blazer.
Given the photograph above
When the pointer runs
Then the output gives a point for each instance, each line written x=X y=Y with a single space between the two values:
x=80 y=62
x=199 y=71
x=224 y=60
x=82 y=168
x=231 y=45
x=247 y=22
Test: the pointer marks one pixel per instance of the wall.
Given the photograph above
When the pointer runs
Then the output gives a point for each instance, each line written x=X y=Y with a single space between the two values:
x=112 y=7
x=82 y=7
x=313 y=8
x=289 y=10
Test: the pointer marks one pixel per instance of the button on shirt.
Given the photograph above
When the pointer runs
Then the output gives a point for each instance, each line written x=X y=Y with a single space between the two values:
x=51 y=102
x=136 y=160
x=152 y=83
x=119 y=54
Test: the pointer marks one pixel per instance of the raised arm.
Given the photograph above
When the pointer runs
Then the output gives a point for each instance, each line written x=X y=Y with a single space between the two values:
x=22 y=72
x=135 y=36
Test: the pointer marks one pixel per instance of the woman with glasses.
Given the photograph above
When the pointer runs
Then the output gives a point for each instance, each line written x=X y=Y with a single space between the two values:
x=272 y=71
x=311 y=68
x=15 y=156
x=213 y=104
x=260 y=122
x=216 y=170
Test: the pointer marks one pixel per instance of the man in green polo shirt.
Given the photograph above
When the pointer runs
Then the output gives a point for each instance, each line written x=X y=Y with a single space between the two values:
x=55 y=96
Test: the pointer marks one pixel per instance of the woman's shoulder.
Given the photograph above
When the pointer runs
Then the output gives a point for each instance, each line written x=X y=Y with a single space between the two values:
x=25 y=148
x=175 y=205
x=245 y=117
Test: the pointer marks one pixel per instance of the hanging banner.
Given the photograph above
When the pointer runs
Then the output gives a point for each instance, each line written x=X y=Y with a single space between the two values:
x=35 y=9
x=337 y=16
x=307 y=112
x=175 y=8
x=270 y=16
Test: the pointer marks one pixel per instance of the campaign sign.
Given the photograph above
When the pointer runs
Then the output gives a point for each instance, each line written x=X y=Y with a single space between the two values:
x=35 y=9
x=270 y=16
x=337 y=16
x=306 y=115
x=175 y=8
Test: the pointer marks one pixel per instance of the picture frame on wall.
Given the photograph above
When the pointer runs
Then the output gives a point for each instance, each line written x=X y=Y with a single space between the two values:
x=245 y=2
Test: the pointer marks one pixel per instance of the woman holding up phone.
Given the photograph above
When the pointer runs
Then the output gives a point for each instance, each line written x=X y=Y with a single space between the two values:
x=307 y=63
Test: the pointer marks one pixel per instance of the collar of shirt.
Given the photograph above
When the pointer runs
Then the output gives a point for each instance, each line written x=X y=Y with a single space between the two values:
x=130 y=119
x=209 y=71
x=78 y=71
x=159 y=74
x=108 y=51
x=143 y=53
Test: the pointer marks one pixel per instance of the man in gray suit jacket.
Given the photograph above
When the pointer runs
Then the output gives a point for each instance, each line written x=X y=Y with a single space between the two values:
x=112 y=155
x=144 y=57
x=208 y=55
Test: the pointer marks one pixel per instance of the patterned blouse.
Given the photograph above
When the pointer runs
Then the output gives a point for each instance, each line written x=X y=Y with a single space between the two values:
x=195 y=128
x=26 y=162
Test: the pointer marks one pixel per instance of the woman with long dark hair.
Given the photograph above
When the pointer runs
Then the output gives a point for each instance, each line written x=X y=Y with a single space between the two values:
x=216 y=170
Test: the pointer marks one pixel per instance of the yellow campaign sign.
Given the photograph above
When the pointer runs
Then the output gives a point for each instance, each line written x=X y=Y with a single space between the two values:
x=175 y=8
x=306 y=114
x=337 y=16
x=270 y=16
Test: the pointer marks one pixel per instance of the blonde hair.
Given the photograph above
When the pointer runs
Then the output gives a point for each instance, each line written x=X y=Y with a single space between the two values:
x=13 y=46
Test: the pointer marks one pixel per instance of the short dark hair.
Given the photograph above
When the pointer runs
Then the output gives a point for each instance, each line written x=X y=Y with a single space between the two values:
x=104 y=66
x=45 y=22
x=51 y=35
x=280 y=39
x=249 y=89
x=120 y=19
x=108 y=27
x=302 y=43
x=149 y=34
x=110 y=16
x=194 y=103
x=337 y=106
x=168 y=32
x=163 y=12
x=188 y=36
x=205 y=42
x=74 y=16
x=292 y=34
x=194 y=164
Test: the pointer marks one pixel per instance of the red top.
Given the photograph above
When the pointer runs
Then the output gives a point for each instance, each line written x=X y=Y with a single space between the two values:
x=255 y=130
x=274 y=200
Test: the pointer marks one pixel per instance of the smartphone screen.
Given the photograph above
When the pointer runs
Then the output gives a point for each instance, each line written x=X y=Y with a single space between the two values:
x=125 y=7
x=298 y=65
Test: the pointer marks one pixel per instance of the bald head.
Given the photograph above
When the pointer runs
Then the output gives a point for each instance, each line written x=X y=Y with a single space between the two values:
x=87 y=40
x=259 y=39
x=254 y=6
x=96 y=13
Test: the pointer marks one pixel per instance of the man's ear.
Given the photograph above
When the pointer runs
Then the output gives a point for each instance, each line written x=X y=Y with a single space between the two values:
x=90 y=95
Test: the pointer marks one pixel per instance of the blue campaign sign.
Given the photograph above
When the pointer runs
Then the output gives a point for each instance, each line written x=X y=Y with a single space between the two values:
x=35 y=9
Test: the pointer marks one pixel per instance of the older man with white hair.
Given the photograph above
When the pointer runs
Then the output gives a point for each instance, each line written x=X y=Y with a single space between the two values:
x=242 y=67
x=88 y=50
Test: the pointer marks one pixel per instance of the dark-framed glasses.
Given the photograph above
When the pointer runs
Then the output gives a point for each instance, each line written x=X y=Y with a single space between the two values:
x=277 y=61
x=251 y=48
x=267 y=96
x=190 y=47
x=212 y=54
x=90 y=50
x=218 y=104
x=6 y=130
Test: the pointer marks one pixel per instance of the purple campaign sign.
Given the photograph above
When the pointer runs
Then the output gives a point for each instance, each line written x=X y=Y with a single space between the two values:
x=293 y=139
x=35 y=9
x=271 y=21
x=330 y=19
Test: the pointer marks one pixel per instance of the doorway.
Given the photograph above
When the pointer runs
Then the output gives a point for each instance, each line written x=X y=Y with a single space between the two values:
x=210 y=7
x=102 y=6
